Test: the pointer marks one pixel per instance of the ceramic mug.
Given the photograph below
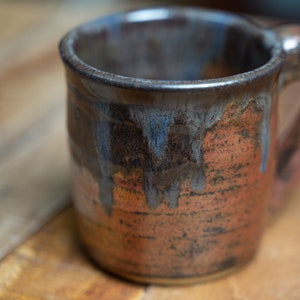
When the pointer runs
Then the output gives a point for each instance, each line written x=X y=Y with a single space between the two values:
x=172 y=120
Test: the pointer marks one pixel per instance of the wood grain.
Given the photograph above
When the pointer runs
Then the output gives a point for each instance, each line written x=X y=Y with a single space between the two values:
x=34 y=168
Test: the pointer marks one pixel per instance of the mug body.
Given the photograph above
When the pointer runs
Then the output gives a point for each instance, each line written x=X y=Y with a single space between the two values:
x=172 y=117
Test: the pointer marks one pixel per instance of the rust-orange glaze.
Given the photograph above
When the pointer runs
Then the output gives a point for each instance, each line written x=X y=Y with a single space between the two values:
x=211 y=230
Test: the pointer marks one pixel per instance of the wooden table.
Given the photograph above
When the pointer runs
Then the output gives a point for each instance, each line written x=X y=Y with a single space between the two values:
x=40 y=255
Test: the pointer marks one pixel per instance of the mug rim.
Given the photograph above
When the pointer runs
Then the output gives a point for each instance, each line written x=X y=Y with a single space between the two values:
x=70 y=58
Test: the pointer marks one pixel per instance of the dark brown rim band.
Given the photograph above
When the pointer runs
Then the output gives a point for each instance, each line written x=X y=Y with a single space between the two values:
x=68 y=55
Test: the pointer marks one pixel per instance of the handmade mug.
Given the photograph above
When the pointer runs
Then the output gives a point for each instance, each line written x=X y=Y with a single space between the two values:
x=172 y=116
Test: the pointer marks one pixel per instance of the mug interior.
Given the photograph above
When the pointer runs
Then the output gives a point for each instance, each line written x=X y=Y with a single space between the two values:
x=176 y=47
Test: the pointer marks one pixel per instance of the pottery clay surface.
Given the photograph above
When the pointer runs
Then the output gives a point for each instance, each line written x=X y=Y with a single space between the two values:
x=172 y=119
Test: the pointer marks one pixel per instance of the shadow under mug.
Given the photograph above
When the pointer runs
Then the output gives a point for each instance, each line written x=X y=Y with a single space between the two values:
x=172 y=120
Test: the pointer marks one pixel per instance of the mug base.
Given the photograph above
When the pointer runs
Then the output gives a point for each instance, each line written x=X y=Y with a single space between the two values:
x=179 y=280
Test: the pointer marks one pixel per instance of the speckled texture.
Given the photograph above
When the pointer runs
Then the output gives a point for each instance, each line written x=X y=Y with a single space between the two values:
x=205 y=230
x=172 y=171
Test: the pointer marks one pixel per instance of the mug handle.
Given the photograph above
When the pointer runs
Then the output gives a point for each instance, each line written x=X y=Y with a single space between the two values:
x=288 y=159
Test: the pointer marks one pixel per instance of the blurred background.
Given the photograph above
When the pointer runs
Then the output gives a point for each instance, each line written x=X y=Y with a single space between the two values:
x=288 y=9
